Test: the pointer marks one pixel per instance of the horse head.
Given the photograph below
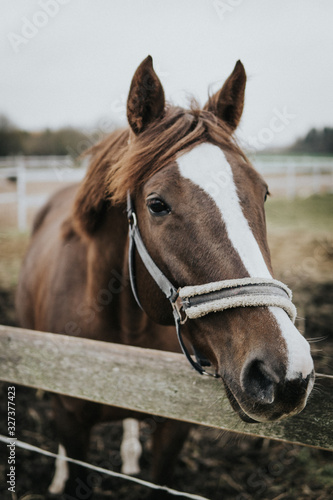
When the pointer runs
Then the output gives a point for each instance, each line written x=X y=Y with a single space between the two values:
x=199 y=206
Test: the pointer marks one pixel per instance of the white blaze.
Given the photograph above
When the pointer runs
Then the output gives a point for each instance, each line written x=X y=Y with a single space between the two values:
x=300 y=360
x=207 y=166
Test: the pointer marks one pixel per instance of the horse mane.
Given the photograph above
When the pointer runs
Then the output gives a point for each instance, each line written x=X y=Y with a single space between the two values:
x=91 y=202
x=123 y=161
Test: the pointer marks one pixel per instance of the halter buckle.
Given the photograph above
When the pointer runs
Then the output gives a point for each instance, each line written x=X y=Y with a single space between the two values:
x=132 y=220
x=179 y=310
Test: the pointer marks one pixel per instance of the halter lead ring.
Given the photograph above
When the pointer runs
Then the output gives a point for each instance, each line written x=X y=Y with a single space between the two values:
x=191 y=302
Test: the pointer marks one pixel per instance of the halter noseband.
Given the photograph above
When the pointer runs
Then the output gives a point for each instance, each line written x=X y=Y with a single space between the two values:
x=192 y=302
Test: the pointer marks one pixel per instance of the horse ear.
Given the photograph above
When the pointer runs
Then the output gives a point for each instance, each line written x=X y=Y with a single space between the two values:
x=227 y=104
x=145 y=101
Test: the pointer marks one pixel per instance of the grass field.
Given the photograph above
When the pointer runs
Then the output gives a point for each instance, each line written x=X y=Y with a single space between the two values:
x=12 y=249
x=300 y=235
x=313 y=214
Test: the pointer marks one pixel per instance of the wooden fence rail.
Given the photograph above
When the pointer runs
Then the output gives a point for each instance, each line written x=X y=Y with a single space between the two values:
x=154 y=382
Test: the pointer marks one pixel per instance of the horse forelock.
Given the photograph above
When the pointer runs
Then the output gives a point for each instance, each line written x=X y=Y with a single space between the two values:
x=175 y=133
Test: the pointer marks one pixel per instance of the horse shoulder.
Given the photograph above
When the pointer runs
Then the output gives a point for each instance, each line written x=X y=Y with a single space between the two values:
x=42 y=259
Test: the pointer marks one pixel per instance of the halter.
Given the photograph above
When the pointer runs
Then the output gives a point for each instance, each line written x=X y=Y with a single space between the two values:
x=191 y=302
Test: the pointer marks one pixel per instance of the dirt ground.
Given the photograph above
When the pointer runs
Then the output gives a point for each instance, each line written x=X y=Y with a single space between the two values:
x=214 y=464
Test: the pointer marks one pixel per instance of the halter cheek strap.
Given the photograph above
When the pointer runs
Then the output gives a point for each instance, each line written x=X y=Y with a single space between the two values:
x=171 y=293
x=196 y=301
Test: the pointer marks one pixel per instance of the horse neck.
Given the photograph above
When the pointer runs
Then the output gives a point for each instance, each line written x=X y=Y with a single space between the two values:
x=108 y=286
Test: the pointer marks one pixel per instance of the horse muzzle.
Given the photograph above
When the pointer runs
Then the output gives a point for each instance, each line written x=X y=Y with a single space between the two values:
x=265 y=395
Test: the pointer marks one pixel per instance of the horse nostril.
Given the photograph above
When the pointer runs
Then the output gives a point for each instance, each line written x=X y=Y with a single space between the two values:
x=259 y=381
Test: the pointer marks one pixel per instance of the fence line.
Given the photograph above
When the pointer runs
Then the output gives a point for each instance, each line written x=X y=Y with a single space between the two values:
x=288 y=175
x=149 y=382
x=294 y=174
x=26 y=170
x=101 y=470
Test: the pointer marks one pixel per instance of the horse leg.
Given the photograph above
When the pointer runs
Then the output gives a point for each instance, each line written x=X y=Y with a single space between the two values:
x=74 y=425
x=168 y=440
x=61 y=473
x=131 y=448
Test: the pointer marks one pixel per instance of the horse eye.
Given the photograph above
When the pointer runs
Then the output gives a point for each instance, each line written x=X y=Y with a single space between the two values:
x=157 y=206
x=266 y=195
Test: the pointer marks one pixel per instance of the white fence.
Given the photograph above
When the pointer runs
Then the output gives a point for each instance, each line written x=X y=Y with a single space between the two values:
x=43 y=169
x=297 y=175
x=288 y=176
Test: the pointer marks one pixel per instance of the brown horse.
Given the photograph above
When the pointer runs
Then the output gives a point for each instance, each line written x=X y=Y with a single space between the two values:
x=199 y=205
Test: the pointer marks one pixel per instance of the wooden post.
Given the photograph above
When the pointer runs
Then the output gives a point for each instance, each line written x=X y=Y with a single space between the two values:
x=21 y=195
x=291 y=180
x=315 y=178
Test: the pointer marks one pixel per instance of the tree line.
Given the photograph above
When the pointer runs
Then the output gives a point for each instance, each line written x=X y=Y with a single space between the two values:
x=72 y=141
x=318 y=141
x=63 y=141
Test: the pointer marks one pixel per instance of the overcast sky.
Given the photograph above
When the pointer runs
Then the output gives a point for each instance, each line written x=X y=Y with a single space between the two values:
x=70 y=62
